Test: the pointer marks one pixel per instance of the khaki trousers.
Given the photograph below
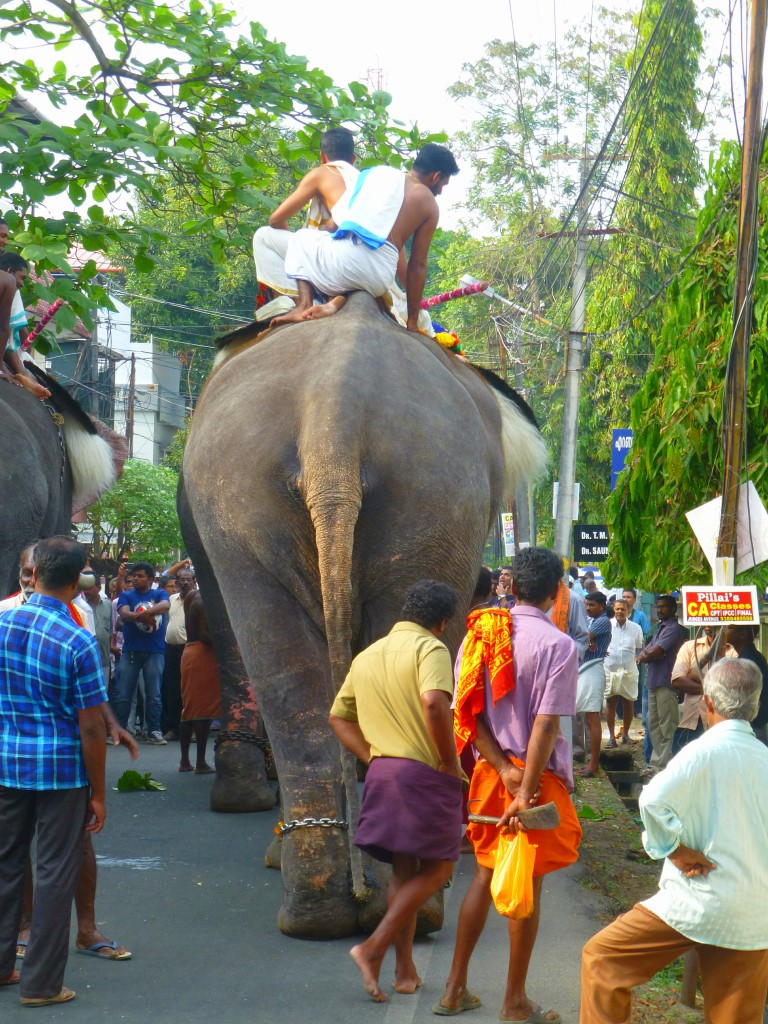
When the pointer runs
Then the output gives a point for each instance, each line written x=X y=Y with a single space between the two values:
x=639 y=944
x=663 y=719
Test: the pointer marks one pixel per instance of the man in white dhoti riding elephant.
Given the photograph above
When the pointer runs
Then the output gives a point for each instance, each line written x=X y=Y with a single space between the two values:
x=321 y=189
x=365 y=252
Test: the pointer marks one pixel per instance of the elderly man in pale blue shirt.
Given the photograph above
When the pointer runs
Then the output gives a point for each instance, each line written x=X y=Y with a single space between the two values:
x=707 y=814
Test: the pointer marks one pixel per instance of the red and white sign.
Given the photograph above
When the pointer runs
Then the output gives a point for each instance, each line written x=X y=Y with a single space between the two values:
x=717 y=606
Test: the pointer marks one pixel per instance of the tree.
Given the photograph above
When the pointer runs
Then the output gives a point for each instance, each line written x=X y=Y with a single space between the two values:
x=138 y=514
x=676 y=461
x=149 y=88
x=655 y=217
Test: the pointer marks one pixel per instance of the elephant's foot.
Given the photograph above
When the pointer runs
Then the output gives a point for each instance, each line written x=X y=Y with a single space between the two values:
x=241 y=785
x=273 y=856
x=317 y=892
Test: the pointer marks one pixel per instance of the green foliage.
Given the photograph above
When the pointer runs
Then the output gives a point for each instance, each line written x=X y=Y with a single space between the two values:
x=138 y=514
x=587 y=813
x=174 y=453
x=146 y=95
x=656 y=224
x=131 y=781
x=676 y=462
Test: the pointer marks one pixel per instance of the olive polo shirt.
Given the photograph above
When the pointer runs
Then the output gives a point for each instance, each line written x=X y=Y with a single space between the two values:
x=382 y=692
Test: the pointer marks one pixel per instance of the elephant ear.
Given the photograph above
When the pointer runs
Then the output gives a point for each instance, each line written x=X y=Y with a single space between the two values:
x=501 y=386
x=522 y=446
x=61 y=398
x=96 y=453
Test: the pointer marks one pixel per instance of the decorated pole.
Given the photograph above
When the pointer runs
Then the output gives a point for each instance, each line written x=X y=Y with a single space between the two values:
x=457 y=293
x=52 y=311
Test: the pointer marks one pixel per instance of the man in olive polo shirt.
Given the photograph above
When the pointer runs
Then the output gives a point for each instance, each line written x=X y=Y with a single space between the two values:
x=394 y=713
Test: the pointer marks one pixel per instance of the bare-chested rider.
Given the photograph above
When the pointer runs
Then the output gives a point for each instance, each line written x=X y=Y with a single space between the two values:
x=320 y=189
x=339 y=265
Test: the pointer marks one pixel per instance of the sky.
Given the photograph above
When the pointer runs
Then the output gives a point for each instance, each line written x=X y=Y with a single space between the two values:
x=416 y=50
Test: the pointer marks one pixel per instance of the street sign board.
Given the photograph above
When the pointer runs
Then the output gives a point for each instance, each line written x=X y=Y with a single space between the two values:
x=508 y=532
x=590 y=543
x=621 y=446
x=717 y=606
x=576 y=493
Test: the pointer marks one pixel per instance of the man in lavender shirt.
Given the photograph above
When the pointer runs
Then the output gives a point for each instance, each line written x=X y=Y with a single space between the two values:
x=524 y=760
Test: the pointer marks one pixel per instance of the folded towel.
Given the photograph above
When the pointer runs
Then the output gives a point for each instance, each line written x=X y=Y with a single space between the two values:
x=370 y=210
x=18 y=320
x=318 y=214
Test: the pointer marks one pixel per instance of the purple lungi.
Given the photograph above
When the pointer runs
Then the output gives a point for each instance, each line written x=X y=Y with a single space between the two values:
x=409 y=808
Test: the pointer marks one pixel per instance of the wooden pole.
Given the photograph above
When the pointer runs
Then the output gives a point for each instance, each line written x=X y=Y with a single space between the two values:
x=734 y=398
x=131 y=405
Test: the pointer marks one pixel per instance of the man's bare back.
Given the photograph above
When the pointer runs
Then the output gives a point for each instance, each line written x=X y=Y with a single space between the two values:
x=195 y=619
x=324 y=181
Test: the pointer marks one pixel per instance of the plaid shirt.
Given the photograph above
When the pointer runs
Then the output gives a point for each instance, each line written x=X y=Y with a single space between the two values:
x=49 y=669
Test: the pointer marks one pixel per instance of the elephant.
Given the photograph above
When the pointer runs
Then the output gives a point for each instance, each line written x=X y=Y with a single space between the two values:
x=58 y=460
x=330 y=465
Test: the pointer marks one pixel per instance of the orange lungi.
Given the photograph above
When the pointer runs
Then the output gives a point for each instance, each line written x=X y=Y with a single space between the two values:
x=200 y=684
x=557 y=848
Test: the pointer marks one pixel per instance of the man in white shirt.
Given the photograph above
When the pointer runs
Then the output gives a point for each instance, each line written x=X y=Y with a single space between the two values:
x=621 y=672
x=712 y=890
x=175 y=639
x=96 y=612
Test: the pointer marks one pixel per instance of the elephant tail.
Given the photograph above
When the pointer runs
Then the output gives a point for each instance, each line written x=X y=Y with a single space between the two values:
x=335 y=519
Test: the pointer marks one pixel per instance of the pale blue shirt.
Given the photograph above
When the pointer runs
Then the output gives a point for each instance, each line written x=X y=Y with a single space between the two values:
x=713 y=797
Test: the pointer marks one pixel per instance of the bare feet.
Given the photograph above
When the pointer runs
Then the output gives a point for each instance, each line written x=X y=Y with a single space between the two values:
x=295 y=316
x=407 y=979
x=35 y=389
x=4 y=375
x=326 y=309
x=369 y=969
x=186 y=766
x=205 y=769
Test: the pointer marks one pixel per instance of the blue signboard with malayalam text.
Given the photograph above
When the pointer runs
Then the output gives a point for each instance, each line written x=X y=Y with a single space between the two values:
x=621 y=446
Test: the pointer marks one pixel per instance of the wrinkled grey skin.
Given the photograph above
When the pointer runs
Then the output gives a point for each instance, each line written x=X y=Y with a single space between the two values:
x=328 y=467
x=35 y=498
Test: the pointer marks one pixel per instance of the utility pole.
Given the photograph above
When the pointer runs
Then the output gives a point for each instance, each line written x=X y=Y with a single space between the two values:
x=573 y=367
x=131 y=403
x=523 y=532
x=734 y=399
x=92 y=372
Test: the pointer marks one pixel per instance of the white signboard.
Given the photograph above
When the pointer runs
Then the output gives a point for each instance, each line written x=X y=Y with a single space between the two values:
x=508 y=532
x=751 y=528
x=576 y=490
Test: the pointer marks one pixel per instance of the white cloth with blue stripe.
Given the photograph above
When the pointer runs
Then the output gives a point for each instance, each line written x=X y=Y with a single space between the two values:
x=370 y=209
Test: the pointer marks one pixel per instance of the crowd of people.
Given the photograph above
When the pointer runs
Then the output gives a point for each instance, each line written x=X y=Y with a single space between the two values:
x=487 y=738
x=532 y=640
x=78 y=671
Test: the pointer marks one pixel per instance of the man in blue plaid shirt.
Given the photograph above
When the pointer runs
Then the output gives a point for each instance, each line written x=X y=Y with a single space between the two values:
x=52 y=756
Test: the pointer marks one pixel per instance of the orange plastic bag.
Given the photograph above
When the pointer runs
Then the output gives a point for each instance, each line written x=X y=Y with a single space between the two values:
x=512 y=882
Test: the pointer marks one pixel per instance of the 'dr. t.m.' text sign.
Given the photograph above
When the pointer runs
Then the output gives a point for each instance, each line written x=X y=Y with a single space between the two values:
x=716 y=606
x=590 y=543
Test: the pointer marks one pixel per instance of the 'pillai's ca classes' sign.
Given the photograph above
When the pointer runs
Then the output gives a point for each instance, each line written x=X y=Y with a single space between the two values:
x=717 y=606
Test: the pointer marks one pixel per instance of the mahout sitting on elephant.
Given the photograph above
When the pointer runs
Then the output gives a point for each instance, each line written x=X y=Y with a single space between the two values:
x=330 y=465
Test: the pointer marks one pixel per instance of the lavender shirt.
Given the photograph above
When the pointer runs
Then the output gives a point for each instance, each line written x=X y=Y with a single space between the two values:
x=546 y=672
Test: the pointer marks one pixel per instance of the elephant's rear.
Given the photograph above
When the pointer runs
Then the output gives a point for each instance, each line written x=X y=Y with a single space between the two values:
x=328 y=468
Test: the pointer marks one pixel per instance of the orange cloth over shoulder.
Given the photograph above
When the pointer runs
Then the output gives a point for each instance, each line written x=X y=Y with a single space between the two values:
x=488 y=645
x=561 y=606
x=76 y=614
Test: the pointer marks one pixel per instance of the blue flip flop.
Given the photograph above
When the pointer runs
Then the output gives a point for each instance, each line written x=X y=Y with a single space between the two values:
x=95 y=950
